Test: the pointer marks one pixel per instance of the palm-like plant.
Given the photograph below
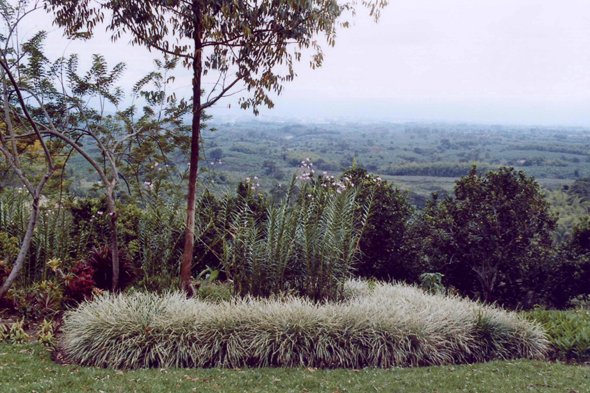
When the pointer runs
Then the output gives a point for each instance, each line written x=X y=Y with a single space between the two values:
x=308 y=248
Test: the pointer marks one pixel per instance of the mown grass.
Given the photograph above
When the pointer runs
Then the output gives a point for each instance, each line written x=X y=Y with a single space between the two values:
x=28 y=368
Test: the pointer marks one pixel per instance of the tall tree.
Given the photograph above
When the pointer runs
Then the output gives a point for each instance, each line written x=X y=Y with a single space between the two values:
x=18 y=119
x=242 y=41
x=46 y=111
x=124 y=143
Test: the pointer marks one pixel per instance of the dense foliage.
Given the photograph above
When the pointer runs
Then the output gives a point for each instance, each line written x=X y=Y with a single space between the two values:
x=488 y=237
x=492 y=240
x=568 y=331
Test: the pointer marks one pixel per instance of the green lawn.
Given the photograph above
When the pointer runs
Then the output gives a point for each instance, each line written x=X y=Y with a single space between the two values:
x=28 y=368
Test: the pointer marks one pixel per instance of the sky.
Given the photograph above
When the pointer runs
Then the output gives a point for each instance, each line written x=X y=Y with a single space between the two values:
x=485 y=61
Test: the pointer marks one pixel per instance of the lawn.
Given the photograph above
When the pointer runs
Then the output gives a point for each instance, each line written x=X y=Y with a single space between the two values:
x=29 y=368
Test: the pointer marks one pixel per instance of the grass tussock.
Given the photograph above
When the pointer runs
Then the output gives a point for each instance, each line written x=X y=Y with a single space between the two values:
x=380 y=325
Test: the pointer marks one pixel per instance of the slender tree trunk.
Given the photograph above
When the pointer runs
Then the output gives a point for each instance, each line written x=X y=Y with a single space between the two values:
x=189 y=240
x=24 y=249
x=114 y=242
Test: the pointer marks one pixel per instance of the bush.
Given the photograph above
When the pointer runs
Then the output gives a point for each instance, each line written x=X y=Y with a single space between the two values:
x=490 y=237
x=40 y=300
x=100 y=261
x=379 y=325
x=567 y=273
x=383 y=245
x=97 y=272
x=78 y=284
x=568 y=331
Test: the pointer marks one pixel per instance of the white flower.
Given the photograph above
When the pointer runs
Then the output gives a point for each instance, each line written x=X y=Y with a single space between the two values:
x=99 y=213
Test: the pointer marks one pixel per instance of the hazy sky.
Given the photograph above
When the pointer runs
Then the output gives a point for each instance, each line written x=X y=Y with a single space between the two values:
x=488 y=61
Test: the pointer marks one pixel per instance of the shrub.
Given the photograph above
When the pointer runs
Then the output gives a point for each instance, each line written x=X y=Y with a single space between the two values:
x=40 y=300
x=214 y=291
x=490 y=236
x=568 y=331
x=97 y=272
x=308 y=248
x=17 y=334
x=383 y=245
x=100 y=261
x=378 y=325
x=78 y=285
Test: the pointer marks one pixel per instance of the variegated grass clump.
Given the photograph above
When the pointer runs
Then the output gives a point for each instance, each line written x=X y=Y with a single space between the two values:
x=379 y=325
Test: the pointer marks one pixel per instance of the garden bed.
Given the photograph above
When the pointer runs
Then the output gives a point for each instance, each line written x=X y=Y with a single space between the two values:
x=379 y=325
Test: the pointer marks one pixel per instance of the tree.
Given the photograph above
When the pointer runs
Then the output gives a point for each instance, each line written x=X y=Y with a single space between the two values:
x=243 y=41
x=18 y=120
x=494 y=227
x=216 y=154
x=122 y=141
x=567 y=274
x=383 y=246
x=54 y=100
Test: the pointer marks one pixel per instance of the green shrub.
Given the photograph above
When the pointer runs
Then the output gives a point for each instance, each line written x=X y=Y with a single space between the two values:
x=40 y=300
x=214 y=291
x=568 y=331
x=378 y=325
x=17 y=334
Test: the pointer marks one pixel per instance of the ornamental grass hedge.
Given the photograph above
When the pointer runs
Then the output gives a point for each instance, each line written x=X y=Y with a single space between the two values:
x=379 y=325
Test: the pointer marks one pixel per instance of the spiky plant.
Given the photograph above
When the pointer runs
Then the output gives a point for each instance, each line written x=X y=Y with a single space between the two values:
x=378 y=325
x=100 y=261
x=308 y=248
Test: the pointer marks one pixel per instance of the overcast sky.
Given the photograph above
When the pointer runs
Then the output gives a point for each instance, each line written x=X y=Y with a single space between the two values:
x=484 y=61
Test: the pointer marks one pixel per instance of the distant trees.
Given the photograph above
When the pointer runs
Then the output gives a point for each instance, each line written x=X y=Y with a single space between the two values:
x=440 y=169
x=216 y=154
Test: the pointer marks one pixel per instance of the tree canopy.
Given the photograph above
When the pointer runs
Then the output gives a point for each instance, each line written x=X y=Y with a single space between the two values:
x=250 y=44
x=486 y=235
